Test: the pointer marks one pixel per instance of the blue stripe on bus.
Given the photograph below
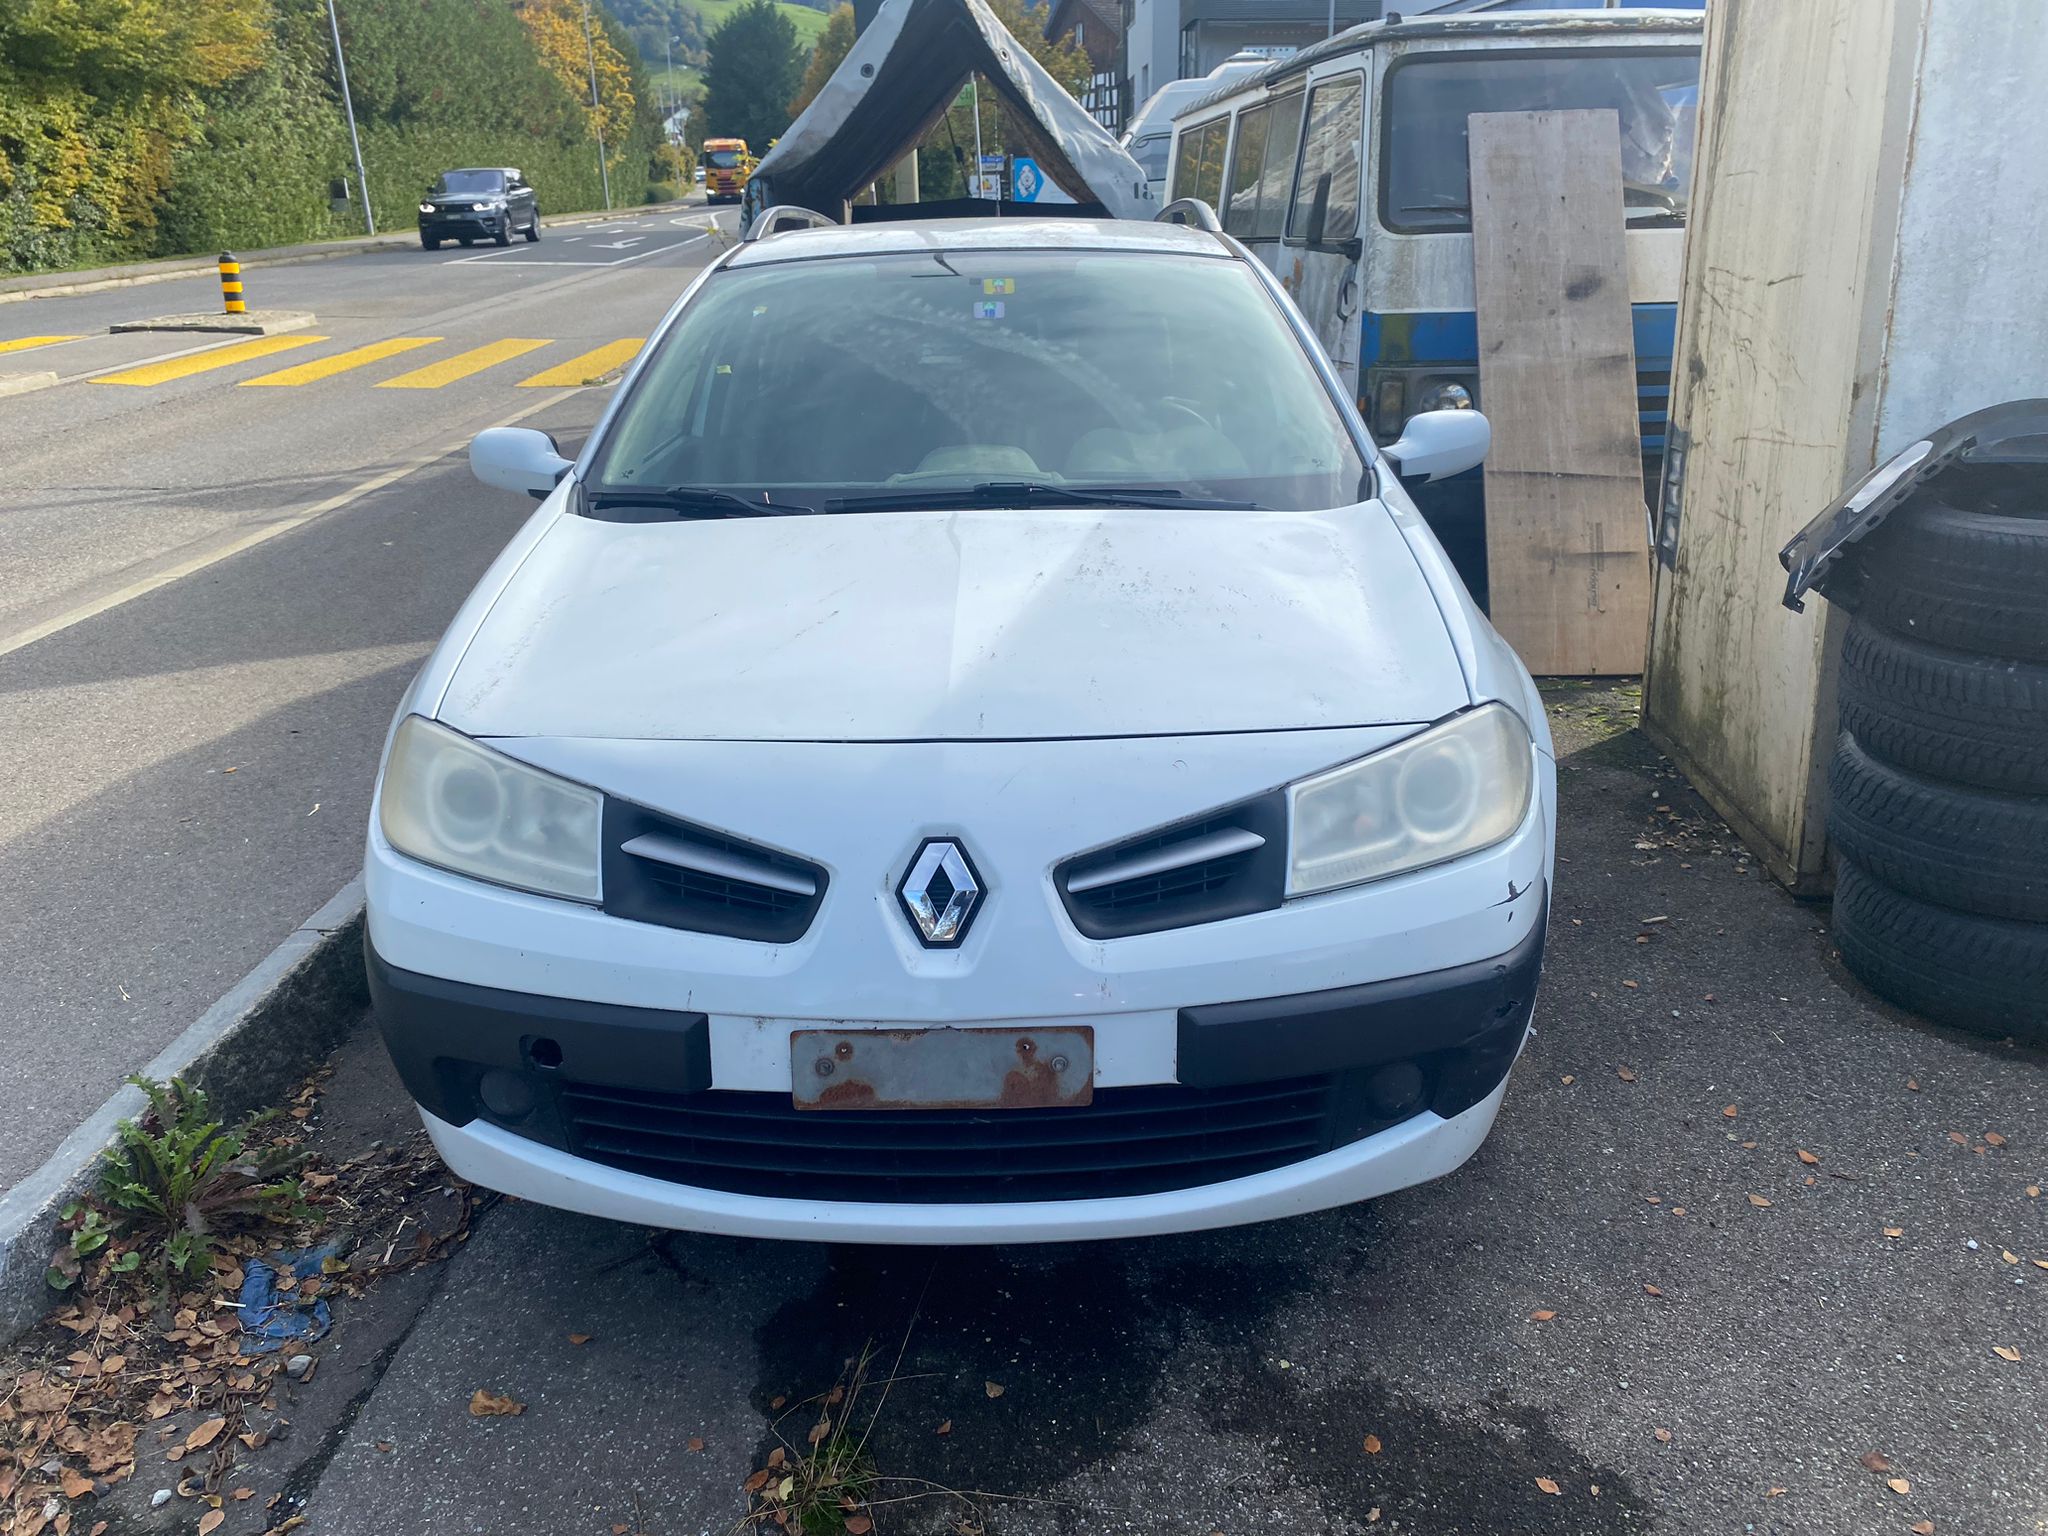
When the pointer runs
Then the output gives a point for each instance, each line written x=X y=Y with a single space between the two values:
x=1452 y=337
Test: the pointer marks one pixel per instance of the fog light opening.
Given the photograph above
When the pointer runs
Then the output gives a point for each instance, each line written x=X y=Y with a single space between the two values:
x=506 y=1094
x=545 y=1054
x=1396 y=1089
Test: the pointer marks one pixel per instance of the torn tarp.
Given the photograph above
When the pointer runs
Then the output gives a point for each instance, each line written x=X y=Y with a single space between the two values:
x=896 y=83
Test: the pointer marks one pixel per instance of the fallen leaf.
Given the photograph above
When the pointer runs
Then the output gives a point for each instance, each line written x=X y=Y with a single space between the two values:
x=1913 y=1084
x=205 y=1434
x=2009 y=1256
x=1808 y=1158
x=1568 y=1079
x=946 y=1428
x=1624 y=1074
x=619 y=1528
x=2006 y=1353
x=1993 y=1139
x=858 y=1525
x=211 y=1522
x=1678 y=1210
x=1654 y=1199
x=112 y=1364
x=835 y=1397
x=1759 y=1202
x=1922 y=1528
x=1372 y=1445
x=1372 y=1516
x=2039 y=1263
x=493 y=1405
x=696 y=1443
x=76 y=1485
x=1594 y=1489
x=1632 y=986
x=819 y=1431
x=1663 y=1436
x=1772 y=1493
x=1749 y=1146
x=991 y=1389
x=241 y=1495
x=385 y=1447
x=1898 y=1485
x=1542 y=1317
x=2033 y=1191
x=579 y=1339
x=1651 y=1290
x=1959 y=1138
x=777 y=1402
x=255 y=1440
x=1548 y=1486
x=1894 y=1231
x=1875 y=1461
x=755 y=1483
x=1728 y=1112
x=776 y=1458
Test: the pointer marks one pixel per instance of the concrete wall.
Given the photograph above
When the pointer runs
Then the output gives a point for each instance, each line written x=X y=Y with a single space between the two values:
x=1804 y=124
x=1970 y=305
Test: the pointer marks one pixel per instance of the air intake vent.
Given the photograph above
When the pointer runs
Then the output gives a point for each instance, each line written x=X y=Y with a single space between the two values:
x=1225 y=864
x=660 y=870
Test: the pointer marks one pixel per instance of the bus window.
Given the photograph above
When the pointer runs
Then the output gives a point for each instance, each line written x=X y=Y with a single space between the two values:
x=1247 y=165
x=1283 y=138
x=1185 y=154
x=1208 y=182
x=1423 y=168
x=1332 y=150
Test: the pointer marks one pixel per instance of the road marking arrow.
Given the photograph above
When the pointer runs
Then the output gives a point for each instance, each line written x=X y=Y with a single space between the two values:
x=621 y=245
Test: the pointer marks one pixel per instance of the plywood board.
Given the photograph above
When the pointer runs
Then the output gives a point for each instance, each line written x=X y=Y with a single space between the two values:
x=1567 y=549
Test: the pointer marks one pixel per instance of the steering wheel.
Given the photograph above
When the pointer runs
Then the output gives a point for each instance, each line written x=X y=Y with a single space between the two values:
x=1176 y=405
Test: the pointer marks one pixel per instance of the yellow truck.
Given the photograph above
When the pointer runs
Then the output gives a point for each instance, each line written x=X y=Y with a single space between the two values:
x=727 y=165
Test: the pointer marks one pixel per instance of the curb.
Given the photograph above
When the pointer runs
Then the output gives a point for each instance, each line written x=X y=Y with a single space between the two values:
x=58 y=285
x=247 y=1051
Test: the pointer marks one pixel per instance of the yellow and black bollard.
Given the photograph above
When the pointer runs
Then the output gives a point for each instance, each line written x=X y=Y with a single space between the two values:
x=231 y=284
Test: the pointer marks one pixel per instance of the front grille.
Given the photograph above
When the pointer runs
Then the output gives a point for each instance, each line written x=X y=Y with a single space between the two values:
x=1194 y=885
x=1129 y=1141
x=711 y=891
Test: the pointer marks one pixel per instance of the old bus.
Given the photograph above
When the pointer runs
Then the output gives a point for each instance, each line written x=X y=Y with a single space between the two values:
x=1344 y=169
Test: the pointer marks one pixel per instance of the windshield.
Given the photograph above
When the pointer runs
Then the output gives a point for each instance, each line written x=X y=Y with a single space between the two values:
x=469 y=183
x=1423 y=181
x=1150 y=153
x=724 y=159
x=806 y=381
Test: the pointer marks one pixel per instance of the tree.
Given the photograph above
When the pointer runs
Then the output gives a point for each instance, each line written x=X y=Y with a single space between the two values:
x=753 y=68
x=558 y=29
x=834 y=43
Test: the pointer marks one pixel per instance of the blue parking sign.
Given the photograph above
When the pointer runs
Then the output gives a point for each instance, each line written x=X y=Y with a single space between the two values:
x=1026 y=180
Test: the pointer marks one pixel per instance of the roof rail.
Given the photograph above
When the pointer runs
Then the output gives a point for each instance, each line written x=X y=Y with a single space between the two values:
x=1190 y=210
x=773 y=221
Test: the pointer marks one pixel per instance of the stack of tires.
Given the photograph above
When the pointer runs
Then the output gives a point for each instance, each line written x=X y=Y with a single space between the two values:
x=1938 y=810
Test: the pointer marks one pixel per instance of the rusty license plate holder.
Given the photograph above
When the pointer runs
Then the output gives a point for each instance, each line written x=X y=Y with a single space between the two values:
x=942 y=1068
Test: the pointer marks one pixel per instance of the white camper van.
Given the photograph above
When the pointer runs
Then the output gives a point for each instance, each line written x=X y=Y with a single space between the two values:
x=1149 y=138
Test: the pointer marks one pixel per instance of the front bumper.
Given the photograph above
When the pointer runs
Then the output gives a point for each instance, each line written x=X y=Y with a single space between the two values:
x=1281 y=1105
x=457 y=226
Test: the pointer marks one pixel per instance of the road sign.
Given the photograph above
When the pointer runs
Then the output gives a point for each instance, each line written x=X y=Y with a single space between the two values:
x=991 y=163
x=988 y=186
x=1025 y=180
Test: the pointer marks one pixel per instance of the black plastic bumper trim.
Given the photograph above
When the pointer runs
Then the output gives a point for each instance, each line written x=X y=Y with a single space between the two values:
x=1377 y=1022
x=442 y=1035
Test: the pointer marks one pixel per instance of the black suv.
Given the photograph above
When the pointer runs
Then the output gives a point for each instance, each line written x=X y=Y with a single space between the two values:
x=493 y=203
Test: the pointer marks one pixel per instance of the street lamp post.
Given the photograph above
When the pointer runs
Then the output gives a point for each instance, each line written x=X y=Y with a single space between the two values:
x=349 y=111
x=596 y=121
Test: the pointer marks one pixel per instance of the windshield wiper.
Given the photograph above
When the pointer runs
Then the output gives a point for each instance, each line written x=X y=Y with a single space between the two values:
x=1011 y=493
x=693 y=500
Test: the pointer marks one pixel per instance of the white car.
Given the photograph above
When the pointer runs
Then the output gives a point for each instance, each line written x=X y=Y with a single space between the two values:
x=979 y=747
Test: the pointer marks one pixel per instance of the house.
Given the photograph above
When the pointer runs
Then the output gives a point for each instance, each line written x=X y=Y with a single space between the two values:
x=1096 y=27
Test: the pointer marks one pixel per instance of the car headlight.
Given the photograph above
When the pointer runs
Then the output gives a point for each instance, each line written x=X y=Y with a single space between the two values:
x=480 y=207
x=453 y=802
x=426 y=207
x=1452 y=790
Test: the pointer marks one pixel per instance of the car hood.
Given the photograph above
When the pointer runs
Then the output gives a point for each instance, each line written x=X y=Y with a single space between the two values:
x=980 y=625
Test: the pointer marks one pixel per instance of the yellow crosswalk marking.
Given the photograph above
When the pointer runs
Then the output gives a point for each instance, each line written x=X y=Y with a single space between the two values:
x=341 y=362
x=463 y=364
x=202 y=362
x=23 y=343
x=588 y=367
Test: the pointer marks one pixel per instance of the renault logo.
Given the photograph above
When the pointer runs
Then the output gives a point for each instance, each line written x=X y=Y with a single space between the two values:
x=941 y=893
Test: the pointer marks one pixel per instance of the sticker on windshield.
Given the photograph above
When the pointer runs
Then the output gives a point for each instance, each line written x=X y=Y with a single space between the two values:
x=988 y=309
x=999 y=285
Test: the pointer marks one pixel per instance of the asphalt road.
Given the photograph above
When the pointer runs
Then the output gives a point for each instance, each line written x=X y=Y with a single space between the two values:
x=214 y=586
x=1633 y=1313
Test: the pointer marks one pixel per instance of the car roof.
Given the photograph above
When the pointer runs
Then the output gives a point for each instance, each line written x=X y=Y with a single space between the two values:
x=910 y=235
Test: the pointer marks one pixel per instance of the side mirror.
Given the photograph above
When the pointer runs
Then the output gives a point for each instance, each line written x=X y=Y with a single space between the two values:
x=1438 y=444
x=517 y=459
